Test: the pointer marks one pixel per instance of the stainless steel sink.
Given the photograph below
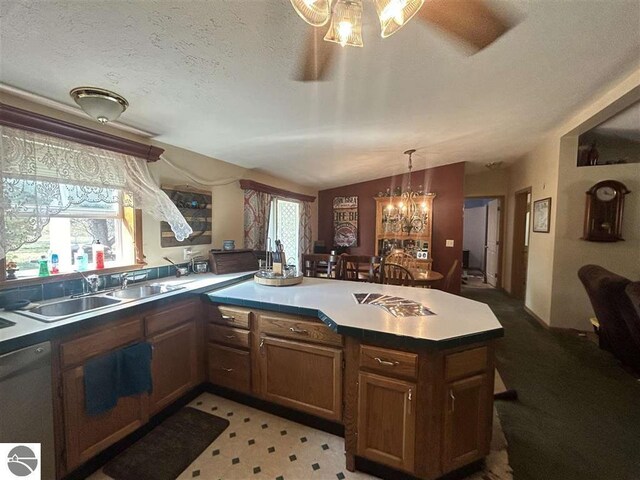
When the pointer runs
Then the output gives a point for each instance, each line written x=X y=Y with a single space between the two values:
x=52 y=312
x=143 y=291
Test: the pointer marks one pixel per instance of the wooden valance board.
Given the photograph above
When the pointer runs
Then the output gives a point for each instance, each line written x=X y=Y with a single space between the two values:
x=280 y=192
x=34 y=122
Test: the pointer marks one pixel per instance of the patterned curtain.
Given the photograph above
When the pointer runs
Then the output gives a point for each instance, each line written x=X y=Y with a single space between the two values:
x=304 y=236
x=42 y=176
x=256 y=219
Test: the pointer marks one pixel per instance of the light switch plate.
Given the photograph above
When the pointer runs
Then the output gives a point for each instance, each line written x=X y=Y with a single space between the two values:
x=449 y=243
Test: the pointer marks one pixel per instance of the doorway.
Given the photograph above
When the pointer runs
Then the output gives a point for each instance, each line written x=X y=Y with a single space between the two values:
x=521 y=229
x=482 y=245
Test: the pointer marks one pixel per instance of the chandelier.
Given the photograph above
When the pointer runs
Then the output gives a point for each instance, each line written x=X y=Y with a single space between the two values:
x=409 y=214
x=346 y=17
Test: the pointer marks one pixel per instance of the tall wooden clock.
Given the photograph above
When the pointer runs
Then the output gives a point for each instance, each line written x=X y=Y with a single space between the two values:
x=603 y=213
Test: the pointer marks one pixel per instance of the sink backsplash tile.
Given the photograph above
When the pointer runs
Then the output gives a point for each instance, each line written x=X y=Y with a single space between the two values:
x=48 y=291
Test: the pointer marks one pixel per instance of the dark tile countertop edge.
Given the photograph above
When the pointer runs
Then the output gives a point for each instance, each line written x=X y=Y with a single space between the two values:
x=384 y=338
x=105 y=315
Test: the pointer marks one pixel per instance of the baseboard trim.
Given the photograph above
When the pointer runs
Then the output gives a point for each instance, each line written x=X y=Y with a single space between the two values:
x=536 y=318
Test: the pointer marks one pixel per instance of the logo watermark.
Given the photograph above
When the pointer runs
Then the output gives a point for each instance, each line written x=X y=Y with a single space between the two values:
x=20 y=460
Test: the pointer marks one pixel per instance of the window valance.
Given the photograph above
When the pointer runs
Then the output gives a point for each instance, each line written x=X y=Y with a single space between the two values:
x=42 y=176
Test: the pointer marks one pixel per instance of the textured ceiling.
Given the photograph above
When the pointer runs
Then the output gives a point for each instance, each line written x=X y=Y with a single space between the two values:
x=215 y=77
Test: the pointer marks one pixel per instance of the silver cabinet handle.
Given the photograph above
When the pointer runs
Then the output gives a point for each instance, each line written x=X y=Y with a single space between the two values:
x=227 y=369
x=39 y=350
x=261 y=345
x=410 y=398
x=228 y=317
x=453 y=401
x=229 y=336
x=386 y=363
x=299 y=331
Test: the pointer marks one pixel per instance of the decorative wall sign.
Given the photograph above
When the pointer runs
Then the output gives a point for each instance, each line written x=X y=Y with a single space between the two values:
x=195 y=206
x=345 y=221
x=541 y=215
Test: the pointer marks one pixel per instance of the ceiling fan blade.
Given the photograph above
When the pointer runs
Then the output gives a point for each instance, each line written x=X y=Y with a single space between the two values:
x=471 y=21
x=317 y=57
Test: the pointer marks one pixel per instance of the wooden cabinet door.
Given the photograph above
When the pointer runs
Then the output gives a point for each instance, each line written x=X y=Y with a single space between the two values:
x=87 y=435
x=386 y=420
x=467 y=419
x=174 y=365
x=302 y=376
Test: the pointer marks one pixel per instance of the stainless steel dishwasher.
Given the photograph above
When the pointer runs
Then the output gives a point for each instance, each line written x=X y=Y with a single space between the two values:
x=26 y=401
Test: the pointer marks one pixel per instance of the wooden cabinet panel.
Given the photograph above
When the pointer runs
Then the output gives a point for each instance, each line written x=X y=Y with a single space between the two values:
x=229 y=367
x=230 y=316
x=302 y=376
x=467 y=417
x=168 y=317
x=78 y=350
x=389 y=362
x=228 y=335
x=387 y=420
x=296 y=328
x=466 y=363
x=87 y=435
x=174 y=365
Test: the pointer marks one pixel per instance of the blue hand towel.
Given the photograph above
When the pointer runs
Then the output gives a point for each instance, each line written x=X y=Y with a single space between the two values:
x=135 y=370
x=122 y=373
x=101 y=383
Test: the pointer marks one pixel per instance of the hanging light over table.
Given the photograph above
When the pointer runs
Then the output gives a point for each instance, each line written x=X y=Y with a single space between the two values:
x=346 y=23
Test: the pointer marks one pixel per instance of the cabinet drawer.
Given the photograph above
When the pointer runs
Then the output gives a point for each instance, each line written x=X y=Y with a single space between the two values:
x=80 y=349
x=228 y=335
x=230 y=367
x=171 y=316
x=389 y=362
x=295 y=327
x=466 y=363
x=231 y=316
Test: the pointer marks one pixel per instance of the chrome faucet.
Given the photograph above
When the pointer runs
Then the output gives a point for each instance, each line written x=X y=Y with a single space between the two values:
x=94 y=283
x=124 y=281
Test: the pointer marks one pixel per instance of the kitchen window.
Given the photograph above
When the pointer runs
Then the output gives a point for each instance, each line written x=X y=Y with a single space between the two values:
x=284 y=225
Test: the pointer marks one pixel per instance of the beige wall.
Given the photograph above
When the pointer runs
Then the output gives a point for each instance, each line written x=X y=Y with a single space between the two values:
x=554 y=293
x=227 y=199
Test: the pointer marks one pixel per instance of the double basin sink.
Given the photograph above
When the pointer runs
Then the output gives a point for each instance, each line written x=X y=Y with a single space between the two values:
x=54 y=311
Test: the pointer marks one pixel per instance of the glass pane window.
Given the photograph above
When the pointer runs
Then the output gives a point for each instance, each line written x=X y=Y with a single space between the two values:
x=284 y=225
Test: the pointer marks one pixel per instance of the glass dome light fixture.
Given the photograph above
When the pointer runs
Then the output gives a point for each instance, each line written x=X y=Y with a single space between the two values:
x=103 y=105
x=314 y=12
x=394 y=14
x=346 y=23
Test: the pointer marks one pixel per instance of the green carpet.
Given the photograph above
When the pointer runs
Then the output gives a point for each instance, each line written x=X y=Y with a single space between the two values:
x=578 y=414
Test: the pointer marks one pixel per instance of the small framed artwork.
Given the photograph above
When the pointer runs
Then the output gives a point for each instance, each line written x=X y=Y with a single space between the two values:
x=541 y=214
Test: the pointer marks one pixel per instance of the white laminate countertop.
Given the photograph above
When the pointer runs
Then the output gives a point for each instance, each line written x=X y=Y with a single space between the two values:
x=28 y=331
x=455 y=318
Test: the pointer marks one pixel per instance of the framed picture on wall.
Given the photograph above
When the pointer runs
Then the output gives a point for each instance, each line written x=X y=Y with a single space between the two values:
x=541 y=215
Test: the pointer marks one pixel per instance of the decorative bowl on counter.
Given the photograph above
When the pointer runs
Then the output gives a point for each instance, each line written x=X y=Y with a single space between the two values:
x=270 y=279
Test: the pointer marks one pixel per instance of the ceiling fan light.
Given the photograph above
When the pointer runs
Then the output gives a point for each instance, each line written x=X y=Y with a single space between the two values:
x=314 y=12
x=346 y=24
x=394 y=14
x=103 y=105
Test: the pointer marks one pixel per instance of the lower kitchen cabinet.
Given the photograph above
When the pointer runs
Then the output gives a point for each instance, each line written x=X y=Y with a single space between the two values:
x=467 y=421
x=174 y=364
x=386 y=420
x=229 y=367
x=302 y=376
x=87 y=435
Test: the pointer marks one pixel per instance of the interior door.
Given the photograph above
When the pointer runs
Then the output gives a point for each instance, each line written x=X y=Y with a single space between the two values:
x=493 y=241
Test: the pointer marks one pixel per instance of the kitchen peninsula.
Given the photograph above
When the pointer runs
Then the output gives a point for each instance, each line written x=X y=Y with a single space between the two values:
x=413 y=393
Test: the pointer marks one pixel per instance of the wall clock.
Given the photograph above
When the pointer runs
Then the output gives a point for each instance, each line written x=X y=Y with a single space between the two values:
x=603 y=212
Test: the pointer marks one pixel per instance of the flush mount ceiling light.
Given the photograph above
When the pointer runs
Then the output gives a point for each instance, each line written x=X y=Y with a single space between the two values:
x=472 y=22
x=103 y=105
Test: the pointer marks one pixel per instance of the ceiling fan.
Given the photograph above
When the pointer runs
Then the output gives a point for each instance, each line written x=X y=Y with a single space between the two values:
x=471 y=21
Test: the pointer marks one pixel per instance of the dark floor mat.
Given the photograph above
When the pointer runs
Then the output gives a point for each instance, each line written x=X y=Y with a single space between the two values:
x=168 y=449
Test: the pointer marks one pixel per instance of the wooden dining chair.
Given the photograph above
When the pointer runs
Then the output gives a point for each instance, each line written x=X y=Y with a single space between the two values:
x=360 y=268
x=400 y=257
x=448 y=280
x=394 y=274
x=320 y=265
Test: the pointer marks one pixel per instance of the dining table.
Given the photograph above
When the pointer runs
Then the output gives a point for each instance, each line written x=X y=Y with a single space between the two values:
x=425 y=278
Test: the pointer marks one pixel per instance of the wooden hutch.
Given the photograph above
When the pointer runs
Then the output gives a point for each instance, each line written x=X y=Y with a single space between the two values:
x=393 y=232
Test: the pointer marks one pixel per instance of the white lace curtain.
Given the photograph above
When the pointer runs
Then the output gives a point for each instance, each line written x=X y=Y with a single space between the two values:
x=41 y=176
